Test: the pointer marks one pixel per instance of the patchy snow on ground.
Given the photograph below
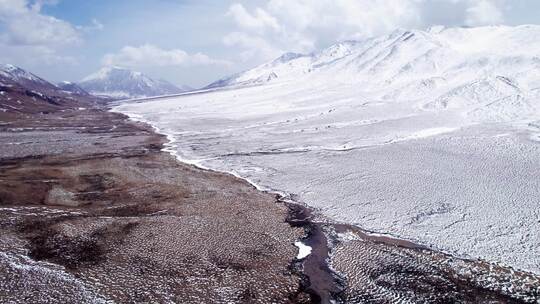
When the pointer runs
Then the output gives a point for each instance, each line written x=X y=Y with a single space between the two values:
x=303 y=250
x=414 y=134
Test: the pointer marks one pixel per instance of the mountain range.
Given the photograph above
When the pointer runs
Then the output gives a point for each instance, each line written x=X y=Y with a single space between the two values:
x=22 y=92
x=494 y=71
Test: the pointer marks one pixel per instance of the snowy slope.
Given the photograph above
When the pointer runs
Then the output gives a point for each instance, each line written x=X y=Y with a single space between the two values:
x=185 y=88
x=24 y=78
x=118 y=82
x=22 y=92
x=72 y=88
x=438 y=68
x=432 y=136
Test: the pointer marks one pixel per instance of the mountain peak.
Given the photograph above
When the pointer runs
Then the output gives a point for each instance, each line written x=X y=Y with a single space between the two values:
x=9 y=67
x=23 y=77
x=120 y=82
x=288 y=57
x=107 y=71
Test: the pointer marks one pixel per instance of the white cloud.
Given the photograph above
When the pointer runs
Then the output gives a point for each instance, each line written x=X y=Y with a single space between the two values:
x=304 y=25
x=307 y=25
x=36 y=6
x=252 y=46
x=484 y=12
x=259 y=20
x=36 y=56
x=26 y=25
x=345 y=18
x=94 y=26
x=150 y=55
x=30 y=37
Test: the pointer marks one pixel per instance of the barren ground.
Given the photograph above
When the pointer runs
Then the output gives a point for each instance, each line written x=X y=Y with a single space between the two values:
x=91 y=210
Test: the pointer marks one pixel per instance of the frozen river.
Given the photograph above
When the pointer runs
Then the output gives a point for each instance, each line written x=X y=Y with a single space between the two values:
x=436 y=177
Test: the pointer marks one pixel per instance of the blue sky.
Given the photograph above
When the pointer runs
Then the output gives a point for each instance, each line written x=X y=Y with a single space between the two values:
x=195 y=42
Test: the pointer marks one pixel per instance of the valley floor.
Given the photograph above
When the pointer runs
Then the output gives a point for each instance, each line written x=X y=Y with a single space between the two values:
x=437 y=177
x=96 y=214
x=92 y=210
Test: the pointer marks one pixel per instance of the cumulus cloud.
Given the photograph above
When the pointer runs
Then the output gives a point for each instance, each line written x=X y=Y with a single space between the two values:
x=95 y=25
x=31 y=37
x=304 y=25
x=34 y=55
x=150 y=55
x=252 y=46
x=484 y=12
x=26 y=25
x=258 y=20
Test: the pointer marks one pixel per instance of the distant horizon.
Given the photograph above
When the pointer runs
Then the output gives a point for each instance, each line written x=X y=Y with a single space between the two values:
x=134 y=69
x=194 y=43
x=119 y=66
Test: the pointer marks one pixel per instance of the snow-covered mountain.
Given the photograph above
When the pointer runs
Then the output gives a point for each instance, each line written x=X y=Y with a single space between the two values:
x=72 y=87
x=185 y=88
x=119 y=82
x=11 y=73
x=496 y=68
x=22 y=92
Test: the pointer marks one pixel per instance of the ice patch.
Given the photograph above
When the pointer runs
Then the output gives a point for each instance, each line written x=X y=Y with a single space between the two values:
x=303 y=250
x=426 y=133
x=348 y=236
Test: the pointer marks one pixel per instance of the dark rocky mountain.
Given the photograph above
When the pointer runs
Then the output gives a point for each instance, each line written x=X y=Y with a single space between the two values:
x=22 y=92
x=11 y=73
